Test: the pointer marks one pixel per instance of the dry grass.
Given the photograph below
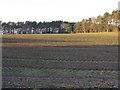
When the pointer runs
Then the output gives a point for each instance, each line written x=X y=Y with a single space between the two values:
x=64 y=39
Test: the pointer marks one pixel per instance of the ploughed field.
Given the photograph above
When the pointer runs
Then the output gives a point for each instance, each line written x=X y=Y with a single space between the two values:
x=60 y=60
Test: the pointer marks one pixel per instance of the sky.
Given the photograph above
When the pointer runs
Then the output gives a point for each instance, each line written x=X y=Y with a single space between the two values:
x=52 y=10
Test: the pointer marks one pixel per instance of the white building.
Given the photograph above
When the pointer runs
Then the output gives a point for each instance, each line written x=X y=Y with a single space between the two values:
x=1 y=31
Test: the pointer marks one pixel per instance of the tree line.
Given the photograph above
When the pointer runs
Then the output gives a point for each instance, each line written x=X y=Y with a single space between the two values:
x=33 y=27
x=106 y=23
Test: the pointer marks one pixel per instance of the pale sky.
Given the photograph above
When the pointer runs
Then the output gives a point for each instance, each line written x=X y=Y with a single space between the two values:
x=49 y=10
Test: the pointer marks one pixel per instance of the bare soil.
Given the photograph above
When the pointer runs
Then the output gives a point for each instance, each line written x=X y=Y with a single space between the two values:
x=60 y=66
